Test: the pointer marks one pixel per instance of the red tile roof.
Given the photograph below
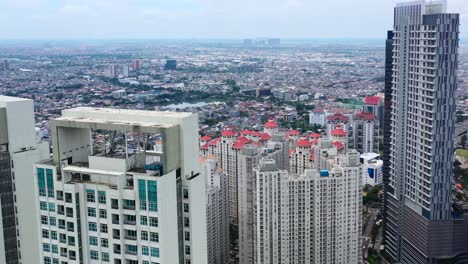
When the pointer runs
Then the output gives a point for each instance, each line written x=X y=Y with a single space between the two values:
x=243 y=140
x=293 y=132
x=338 y=117
x=364 y=116
x=214 y=142
x=256 y=134
x=205 y=138
x=228 y=133
x=304 y=143
x=338 y=132
x=271 y=124
x=238 y=145
x=265 y=137
x=246 y=132
x=314 y=135
x=372 y=100
x=338 y=145
x=204 y=146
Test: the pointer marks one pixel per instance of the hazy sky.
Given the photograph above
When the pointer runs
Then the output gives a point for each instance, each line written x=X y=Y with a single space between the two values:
x=65 y=19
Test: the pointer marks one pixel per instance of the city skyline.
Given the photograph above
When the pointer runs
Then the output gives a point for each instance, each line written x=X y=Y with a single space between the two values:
x=138 y=19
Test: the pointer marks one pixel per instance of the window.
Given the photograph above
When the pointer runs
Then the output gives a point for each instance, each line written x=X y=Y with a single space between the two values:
x=68 y=198
x=185 y=194
x=186 y=222
x=144 y=235
x=63 y=238
x=41 y=182
x=54 y=249
x=105 y=257
x=60 y=195
x=145 y=251
x=131 y=234
x=102 y=213
x=55 y=261
x=145 y=262
x=61 y=224
x=52 y=207
x=104 y=243
x=92 y=226
x=72 y=254
x=61 y=209
x=104 y=228
x=93 y=241
x=46 y=247
x=45 y=233
x=70 y=226
x=94 y=255
x=143 y=220
x=44 y=220
x=115 y=203
x=53 y=221
x=129 y=204
x=132 y=249
x=43 y=206
x=71 y=241
x=186 y=208
x=187 y=236
x=91 y=212
x=155 y=252
x=102 y=197
x=152 y=196
x=53 y=235
x=47 y=260
x=187 y=250
x=154 y=237
x=90 y=195
x=153 y=221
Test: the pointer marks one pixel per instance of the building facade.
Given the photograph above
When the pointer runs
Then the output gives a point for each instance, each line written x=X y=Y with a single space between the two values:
x=120 y=202
x=217 y=209
x=420 y=224
x=19 y=150
x=313 y=217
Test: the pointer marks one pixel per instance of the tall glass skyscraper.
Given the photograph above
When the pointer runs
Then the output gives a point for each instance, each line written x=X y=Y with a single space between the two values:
x=421 y=226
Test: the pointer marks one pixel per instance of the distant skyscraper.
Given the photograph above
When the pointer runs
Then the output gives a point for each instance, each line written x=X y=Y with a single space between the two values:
x=19 y=150
x=274 y=42
x=125 y=70
x=122 y=202
x=112 y=71
x=4 y=65
x=421 y=225
x=136 y=64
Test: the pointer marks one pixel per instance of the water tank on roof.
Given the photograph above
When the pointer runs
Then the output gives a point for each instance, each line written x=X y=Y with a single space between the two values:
x=324 y=173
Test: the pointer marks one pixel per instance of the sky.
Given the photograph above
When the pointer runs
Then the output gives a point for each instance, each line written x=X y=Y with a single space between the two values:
x=216 y=19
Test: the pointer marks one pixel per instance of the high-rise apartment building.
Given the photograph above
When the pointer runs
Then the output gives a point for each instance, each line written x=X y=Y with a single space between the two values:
x=313 y=217
x=217 y=208
x=421 y=225
x=136 y=64
x=122 y=201
x=248 y=159
x=19 y=150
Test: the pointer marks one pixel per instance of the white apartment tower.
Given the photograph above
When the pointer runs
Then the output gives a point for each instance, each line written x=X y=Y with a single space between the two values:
x=313 y=217
x=121 y=201
x=248 y=159
x=19 y=150
x=217 y=211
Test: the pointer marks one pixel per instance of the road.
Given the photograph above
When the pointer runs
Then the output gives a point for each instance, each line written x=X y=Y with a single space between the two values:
x=366 y=234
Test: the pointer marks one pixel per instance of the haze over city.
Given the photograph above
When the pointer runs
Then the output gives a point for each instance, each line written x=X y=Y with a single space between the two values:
x=148 y=19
